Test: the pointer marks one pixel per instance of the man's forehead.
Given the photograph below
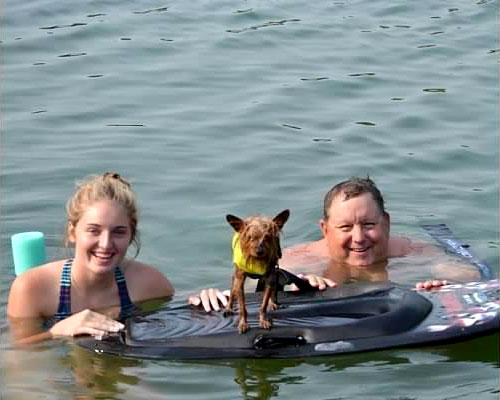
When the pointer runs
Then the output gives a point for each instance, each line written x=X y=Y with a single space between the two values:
x=362 y=205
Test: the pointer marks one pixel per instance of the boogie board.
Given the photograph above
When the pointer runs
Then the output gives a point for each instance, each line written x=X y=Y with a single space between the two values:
x=348 y=319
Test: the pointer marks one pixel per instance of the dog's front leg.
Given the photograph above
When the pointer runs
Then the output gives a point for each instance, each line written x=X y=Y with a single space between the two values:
x=264 y=321
x=239 y=292
x=229 y=307
x=273 y=284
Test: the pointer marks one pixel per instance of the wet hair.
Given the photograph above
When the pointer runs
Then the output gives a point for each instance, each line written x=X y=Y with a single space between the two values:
x=110 y=186
x=351 y=188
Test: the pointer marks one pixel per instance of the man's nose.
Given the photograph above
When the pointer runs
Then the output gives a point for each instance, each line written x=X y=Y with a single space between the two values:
x=358 y=234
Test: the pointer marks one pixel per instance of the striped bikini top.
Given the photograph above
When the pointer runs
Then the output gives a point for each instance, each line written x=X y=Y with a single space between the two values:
x=64 y=309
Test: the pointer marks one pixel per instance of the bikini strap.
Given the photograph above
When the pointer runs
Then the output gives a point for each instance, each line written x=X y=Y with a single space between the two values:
x=64 y=309
x=126 y=304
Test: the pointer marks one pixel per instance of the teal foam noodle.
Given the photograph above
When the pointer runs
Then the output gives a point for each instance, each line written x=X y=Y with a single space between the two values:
x=28 y=250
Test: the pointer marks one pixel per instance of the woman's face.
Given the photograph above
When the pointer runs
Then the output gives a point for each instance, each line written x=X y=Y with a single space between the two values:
x=101 y=236
x=356 y=231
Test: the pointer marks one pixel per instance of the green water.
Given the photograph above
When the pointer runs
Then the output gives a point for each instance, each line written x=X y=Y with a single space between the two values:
x=242 y=107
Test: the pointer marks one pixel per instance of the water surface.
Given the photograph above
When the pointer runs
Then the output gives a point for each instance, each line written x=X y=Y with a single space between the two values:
x=243 y=107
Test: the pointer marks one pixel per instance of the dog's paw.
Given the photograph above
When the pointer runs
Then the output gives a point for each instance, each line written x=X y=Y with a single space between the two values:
x=273 y=306
x=243 y=327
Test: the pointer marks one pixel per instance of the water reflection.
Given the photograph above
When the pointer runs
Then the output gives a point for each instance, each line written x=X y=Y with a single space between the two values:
x=264 y=379
x=98 y=376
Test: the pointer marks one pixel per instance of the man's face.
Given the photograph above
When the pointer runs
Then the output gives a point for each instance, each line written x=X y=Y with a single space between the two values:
x=356 y=231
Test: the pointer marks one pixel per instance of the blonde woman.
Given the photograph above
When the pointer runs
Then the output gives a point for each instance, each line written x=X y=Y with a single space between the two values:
x=86 y=294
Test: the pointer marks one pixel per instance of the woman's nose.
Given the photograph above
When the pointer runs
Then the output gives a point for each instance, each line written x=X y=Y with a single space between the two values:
x=104 y=239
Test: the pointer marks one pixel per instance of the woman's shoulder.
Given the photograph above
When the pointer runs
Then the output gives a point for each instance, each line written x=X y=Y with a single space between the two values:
x=145 y=281
x=32 y=292
x=45 y=274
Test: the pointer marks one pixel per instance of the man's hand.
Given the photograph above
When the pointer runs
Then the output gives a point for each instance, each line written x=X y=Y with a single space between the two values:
x=431 y=284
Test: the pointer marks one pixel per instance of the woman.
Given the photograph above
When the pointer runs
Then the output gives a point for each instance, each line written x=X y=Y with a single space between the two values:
x=102 y=224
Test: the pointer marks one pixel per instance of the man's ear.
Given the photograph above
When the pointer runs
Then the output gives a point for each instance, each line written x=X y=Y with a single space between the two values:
x=71 y=233
x=387 y=219
x=323 y=225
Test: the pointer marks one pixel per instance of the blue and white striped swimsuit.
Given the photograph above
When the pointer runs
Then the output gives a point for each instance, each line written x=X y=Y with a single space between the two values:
x=64 y=309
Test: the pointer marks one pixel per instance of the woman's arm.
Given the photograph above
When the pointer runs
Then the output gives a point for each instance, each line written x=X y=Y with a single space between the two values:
x=31 y=300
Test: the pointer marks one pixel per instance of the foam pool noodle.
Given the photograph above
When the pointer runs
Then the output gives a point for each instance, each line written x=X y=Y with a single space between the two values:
x=28 y=250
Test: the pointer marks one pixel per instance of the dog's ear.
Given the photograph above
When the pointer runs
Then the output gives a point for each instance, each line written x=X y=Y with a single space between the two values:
x=235 y=222
x=281 y=218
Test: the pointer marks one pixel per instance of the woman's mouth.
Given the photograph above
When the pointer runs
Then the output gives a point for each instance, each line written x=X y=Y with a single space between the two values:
x=103 y=256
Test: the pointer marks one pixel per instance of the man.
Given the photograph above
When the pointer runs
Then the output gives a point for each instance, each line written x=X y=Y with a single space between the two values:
x=357 y=246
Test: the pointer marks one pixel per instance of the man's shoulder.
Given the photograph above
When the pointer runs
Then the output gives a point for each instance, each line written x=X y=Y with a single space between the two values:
x=399 y=246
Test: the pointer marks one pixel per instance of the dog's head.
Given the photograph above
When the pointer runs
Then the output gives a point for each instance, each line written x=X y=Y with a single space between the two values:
x=259 y=235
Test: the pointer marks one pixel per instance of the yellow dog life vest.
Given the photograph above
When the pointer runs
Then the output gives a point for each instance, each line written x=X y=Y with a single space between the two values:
x=250 y=265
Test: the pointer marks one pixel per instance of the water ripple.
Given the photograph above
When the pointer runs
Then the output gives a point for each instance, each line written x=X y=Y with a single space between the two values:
x=152 y=10
x=322 y=78
x=63 y=26
x=266 y=25
x=291 y=126
x=72 y=55
x=435 y=90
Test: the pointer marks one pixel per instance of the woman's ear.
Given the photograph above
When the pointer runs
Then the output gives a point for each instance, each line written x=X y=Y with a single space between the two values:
x=71 y=233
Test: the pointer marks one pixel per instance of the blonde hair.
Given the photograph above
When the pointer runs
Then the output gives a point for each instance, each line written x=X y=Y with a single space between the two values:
x=110 y=186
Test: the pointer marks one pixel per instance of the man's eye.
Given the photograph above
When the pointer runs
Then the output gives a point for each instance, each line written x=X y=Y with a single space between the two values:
x=345 y=228
x=369 y=224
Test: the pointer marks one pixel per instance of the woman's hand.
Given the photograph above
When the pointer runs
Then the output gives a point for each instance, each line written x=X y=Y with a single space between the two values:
x=210 y=299
x=86 y=322
x=315 y=281
x=431 y=284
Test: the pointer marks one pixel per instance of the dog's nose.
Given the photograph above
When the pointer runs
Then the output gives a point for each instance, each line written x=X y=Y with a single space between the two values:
x=260 y=251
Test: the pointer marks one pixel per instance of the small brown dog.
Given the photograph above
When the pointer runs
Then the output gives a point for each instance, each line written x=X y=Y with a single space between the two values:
x=256 y=251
